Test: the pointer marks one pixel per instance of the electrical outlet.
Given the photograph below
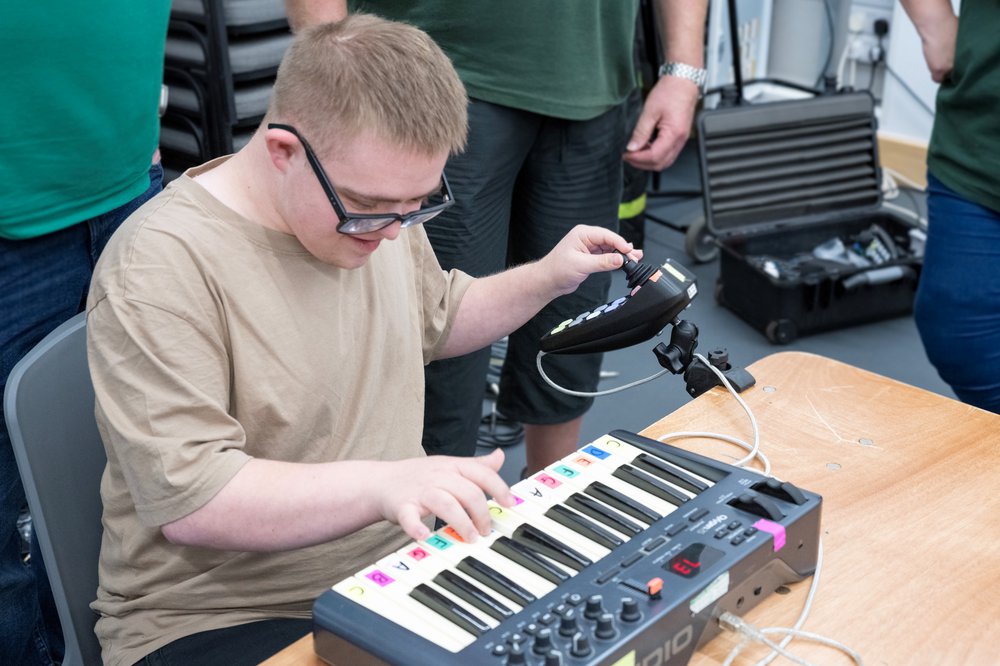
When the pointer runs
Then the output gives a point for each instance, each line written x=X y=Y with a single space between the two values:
x=863 y=48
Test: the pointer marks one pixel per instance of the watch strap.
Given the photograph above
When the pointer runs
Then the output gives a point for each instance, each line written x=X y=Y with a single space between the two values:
x=696 y=75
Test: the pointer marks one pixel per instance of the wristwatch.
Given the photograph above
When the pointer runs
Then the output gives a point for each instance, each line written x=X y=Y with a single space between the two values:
x=694 y=74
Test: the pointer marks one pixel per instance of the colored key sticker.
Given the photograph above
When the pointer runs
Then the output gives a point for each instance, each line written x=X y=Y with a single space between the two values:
x=600 y=454
x=547 y=480
x=418 y=553
x=568 y=472
x=438 y=542
x=379 y=578
x=450 y=531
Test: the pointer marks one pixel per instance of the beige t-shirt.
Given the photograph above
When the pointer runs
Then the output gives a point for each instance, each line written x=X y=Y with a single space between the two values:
x=212 y=340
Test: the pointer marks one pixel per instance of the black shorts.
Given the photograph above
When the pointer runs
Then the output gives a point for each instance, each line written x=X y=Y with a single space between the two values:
x=523 y=182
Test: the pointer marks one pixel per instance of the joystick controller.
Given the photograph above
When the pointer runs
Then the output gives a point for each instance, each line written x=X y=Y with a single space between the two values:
x=656 y=296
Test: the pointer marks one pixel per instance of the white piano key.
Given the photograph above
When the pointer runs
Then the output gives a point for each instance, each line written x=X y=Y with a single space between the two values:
x=405 y=612
x=443 y=544
x=431 y=566
x=532 y=491
x=406 y=580
x=506 y=521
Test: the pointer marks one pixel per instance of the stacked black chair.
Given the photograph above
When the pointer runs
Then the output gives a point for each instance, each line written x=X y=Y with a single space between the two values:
x=221 y=59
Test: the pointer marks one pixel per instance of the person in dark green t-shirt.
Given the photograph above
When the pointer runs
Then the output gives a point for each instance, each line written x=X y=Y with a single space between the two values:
x=957 y=308
x=78 y=134
x=548 y=131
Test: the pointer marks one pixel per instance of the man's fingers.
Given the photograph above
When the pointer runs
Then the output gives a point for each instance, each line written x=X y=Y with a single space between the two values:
x=409 y=519
x=643 y=131
x=485 y=477
x=446 y=506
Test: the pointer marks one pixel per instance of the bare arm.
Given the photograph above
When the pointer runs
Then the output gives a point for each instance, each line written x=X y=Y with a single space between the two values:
x=669 y=107
x=304 y=13
x=271 y=505
x=937 y=26
x=499 y=304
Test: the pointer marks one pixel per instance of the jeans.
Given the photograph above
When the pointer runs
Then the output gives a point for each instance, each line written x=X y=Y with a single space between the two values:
x=45 y=282
x=957 y=309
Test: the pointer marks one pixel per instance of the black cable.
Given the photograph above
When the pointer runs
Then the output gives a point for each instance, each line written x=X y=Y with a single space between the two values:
x=908 y=89
x=829 y=50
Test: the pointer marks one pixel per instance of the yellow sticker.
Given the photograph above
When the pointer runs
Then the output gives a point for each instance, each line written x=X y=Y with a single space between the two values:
x=627 y=660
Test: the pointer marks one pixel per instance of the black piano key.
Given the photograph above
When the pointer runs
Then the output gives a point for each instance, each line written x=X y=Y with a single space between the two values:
x=601 y=513
x=448 y=609
x=583 y=526
x=468 y=592
x=651 y=485
x=671 y=474
x=543 y=544
x=671 y=455
x=529 y=560
x=622 y=502
x=495 y=580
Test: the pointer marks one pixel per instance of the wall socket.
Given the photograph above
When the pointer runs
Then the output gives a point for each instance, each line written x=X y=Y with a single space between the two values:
x=862 y=41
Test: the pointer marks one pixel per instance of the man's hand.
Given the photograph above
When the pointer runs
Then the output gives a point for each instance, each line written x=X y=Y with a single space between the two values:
x=453 y=489
x=496 y=305
x=584 y=250
x=667 y=113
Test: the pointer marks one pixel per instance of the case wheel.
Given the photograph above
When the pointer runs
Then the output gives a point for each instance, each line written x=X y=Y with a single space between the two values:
x=781 y=332
x=699 y=243
x=718 y=293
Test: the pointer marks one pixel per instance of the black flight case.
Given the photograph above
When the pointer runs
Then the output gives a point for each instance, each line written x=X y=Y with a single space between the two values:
x=793 y=197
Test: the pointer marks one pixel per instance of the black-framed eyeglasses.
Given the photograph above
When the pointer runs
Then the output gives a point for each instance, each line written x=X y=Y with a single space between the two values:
x=363 y=223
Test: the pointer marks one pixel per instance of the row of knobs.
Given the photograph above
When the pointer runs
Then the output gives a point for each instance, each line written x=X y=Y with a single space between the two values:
x=569 y=627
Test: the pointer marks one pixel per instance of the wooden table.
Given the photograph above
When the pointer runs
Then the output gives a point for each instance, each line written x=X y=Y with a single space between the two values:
x=911 y=512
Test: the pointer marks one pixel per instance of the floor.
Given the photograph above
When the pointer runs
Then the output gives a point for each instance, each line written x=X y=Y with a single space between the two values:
x=891 y=347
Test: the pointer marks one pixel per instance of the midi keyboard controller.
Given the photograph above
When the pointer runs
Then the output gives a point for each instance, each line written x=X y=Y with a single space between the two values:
x=623 y=553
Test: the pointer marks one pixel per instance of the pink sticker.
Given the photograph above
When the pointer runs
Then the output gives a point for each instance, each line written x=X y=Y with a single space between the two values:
x=547 y=480
x=379 y=578
x=775 y=530
x=517 y=500
x=418 y=553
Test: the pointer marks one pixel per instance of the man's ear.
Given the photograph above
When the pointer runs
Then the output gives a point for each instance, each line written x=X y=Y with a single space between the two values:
x=281 y=145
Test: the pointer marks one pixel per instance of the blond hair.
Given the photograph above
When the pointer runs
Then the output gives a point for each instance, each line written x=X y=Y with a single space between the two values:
x=367 y=74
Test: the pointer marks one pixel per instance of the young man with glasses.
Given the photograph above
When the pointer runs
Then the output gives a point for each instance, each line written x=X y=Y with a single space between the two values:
x=549 y=130
x=257 y=336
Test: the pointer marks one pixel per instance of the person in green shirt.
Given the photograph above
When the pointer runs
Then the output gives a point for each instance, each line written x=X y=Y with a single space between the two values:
x=957 y=308
x=548 y=130
x=78 y=135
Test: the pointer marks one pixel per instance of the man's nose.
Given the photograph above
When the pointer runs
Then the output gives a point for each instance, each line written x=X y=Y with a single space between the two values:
x=392 y=231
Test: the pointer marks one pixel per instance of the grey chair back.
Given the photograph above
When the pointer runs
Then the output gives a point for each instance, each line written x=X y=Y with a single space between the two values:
x=49 y=405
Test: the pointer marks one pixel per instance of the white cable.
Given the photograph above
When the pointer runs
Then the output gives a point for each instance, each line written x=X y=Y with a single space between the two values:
x=921 y=221
x=591 y=394
x=906 y=181
x=725 y=438
x=843 y=58
x=753 y=449
x=890 y=190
